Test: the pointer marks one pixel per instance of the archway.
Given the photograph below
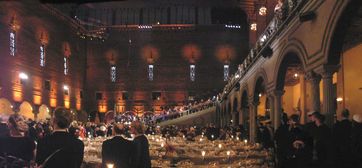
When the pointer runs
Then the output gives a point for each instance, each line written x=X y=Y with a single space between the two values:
x=26 y=110
x=44 y=113
x=5 y=107
x=344 y=53
x=260 y=99
x=292 y=85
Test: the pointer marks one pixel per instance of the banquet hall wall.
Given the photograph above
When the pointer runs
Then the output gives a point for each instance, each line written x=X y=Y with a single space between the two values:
x=34 y=25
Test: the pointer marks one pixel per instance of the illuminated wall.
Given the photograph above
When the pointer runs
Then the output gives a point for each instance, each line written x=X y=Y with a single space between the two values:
x=349 y=84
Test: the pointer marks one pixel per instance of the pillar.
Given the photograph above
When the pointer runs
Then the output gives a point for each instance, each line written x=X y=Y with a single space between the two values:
x=303 y=99
x=329 y=105
x=253 y=108
x=272 y=110
x=314 y=80
x=277 y=97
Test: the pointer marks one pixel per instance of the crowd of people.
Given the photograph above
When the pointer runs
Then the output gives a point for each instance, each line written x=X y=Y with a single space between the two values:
x=314 y=144
x=58 y=143
x=175 y=112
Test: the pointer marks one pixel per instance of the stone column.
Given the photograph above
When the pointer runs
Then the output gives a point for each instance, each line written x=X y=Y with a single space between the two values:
x=329 y=106
x=314 y=80
x=253 y=109
x=272 y=110
x=277 y=94
x=302 y=107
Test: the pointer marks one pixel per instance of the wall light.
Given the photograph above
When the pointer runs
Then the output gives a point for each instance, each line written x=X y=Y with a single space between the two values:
x=262 y=11
x=253 y=27
x=339 y=99
x=66 y=87
x=23 y=75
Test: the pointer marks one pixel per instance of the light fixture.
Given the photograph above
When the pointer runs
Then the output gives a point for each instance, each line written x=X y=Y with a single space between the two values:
x=23 y=75
x=259 y=94
x=262 y=11
x=66 y=87
x=339 y=99
x=253 y=26
x=295 y=75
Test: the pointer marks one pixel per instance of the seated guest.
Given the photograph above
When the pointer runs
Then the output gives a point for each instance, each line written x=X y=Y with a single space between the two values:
x=60 y=149
x=117 y=151
x=17 y=144
x=141 y=155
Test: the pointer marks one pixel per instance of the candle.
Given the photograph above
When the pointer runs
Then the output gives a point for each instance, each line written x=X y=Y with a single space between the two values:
x=220 y=146
x=228 y=153
x=110 y=165
x=237 y=138
x=212 y=136
x=203 y=154
x=232 y=136
x=245 y=141
x=162 y=145
x=200 y=139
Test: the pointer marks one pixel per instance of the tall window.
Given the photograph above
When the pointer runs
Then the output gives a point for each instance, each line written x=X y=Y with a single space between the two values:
x=192 y=72
x=12 y=43
x=113 y=73
x=150 y=72
x=42 y=56
x=66 y=66
x=226 y=72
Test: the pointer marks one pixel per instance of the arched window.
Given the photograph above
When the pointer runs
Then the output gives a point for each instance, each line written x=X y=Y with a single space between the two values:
x=42 y=56
x=66 y=65
x=113 y=73
x=12 y=43
x=150 y=72
x=192 y=72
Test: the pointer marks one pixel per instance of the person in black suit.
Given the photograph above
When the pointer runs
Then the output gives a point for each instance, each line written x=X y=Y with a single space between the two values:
x=117 y=151
x=60 y=149
x=342 y=132
x=141 y=155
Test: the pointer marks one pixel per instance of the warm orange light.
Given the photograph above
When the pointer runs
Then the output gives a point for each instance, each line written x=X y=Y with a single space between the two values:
x=53 y=102
x=17 y=96
x=37 y=99
x=191 y=52
x=225 y=53
x=66 y=49
x=102 y=108
x=66 y=104
x=112 y=56
x=150 y=54
x=78 y=105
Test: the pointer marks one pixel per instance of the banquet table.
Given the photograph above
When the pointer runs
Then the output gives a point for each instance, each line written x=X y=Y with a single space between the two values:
x=178 y=152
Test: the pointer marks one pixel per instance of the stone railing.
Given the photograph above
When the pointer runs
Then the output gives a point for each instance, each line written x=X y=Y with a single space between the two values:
x=288 y=11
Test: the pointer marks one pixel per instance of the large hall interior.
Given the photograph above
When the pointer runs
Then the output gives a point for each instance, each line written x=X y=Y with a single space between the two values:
x=181 y=83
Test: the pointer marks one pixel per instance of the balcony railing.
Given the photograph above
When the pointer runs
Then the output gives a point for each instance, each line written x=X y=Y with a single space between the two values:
x=288 y=11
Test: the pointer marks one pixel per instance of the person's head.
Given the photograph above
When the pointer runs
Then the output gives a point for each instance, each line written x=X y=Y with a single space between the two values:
x=294 y=119
x=61 y=118
x=345 y=113
x=17 y=125
x=137 y=127
x=118 y=129
x=318 y=119
x=284 y=118
x=310 y=115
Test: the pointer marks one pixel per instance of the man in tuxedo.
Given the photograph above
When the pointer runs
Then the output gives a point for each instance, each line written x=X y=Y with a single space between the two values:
x=117 y=151
x=60 y=149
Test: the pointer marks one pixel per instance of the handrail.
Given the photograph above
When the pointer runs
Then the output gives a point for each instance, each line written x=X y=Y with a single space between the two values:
x=275 y=26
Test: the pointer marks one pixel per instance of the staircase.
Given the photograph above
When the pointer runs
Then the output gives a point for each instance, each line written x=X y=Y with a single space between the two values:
x=201 y=118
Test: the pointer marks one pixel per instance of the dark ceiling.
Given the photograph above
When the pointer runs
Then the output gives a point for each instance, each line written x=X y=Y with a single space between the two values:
x=76 y=1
